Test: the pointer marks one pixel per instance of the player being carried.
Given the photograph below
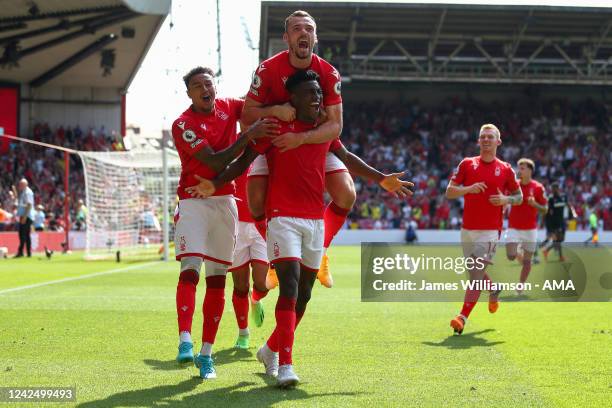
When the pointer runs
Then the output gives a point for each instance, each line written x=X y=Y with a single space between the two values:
x=481 y=180
x=267 y=92
x=206 y=140
x=295 y=208
x=523 y=219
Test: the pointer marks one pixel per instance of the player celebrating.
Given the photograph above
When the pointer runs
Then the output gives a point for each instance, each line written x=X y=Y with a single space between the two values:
x=267 y=92
x=249 y=255
x=523 y=219
x=557 y=207
x=295 y=207
x=206 y=140
x=481 y=180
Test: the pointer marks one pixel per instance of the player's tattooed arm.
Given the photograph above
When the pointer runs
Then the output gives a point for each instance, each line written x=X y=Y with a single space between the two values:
x=218 y=161
x=390 y=182
x=326 y=131
x=205 y=188
x=516 y=198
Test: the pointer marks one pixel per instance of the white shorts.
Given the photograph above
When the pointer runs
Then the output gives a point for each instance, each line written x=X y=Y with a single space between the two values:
x=479 y=243
x=527 y=238
x=332 y=165
x=206 y=228
x=296 y=239
x=250 y=246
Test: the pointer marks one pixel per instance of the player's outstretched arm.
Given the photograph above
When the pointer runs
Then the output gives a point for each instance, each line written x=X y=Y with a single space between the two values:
x=217 y=161
x=205 y=188
x=390 y=182
x=328 y=130
x=254 y=110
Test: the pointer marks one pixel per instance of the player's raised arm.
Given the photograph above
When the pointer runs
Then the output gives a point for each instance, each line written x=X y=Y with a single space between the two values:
x=217 y=161
x=390 y=182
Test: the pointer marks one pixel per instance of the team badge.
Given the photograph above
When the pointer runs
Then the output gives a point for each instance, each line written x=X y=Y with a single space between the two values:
x=276 y=249
x=182 y=244
x=222 y=115
x=189 y=136
x=256 y=81
x=337 y=87
x=497 y=171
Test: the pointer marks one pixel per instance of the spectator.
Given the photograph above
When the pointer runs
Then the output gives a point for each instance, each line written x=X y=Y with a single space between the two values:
x=81 y=215
x=25 y=212
x=39 y=218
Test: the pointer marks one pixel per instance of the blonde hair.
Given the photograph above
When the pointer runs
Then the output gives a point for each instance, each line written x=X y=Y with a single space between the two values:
x=490 y=126
x=528 y=162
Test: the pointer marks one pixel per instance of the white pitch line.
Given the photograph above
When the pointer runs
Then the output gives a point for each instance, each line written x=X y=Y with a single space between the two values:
x=91 y=275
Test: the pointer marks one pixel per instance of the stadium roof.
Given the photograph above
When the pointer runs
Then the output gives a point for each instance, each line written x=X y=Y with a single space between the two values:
x=455 y=42
x=65 y=42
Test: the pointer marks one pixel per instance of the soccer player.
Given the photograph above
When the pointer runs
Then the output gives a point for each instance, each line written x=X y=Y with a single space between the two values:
x=481 y=180
x=250 y=256
x=206 y=140
x=523 y=219
x=267 y=92
x=558 y=207
x=295 y=207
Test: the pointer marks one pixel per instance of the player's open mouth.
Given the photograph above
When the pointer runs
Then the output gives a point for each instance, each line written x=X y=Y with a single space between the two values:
x=206 y=98
x=303 y=44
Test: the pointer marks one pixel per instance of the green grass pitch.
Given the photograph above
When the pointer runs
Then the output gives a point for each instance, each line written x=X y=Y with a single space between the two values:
x=113 y=336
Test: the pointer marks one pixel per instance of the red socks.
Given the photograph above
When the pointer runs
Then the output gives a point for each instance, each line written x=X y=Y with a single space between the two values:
x=282 y=337
x=471 y=298
x=214 y=302
x=262 y=225
x=333 y=219
x=185 y=299
x=240 y=300
x=257 y=295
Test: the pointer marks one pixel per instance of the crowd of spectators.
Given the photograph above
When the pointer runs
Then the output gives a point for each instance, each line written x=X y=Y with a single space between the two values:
x=569 y=143
x=44 y=169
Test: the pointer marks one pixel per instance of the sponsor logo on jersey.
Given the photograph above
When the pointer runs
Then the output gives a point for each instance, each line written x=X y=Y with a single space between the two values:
x=338 y=87
x=189 y=136
x=181 y=125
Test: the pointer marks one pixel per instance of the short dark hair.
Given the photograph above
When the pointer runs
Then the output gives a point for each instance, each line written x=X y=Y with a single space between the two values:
x=300 y=76
x=196 y=71
x=297 y=13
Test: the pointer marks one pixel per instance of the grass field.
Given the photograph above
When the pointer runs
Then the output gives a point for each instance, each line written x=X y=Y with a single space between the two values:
x=110 y=330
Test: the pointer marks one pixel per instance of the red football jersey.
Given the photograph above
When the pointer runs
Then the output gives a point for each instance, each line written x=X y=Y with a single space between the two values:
x=192 y=131
x=524 y=216
x=297 y=176
x=268 y=85
x=244 y=214
x=478 y=212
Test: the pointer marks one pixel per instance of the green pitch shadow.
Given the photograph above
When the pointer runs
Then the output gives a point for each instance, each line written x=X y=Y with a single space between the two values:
x=465 y=341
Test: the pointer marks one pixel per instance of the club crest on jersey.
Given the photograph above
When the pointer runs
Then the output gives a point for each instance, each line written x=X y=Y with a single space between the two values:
x=189 y=136
x=497 y=171
x=182 y=244
x=337 y=87
x=181 y=125
x=256 y=83
x=276 y=249
x=222 y=115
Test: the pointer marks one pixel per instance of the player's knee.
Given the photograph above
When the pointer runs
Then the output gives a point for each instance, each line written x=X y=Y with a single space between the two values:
x=288 y=288
x=342 y=190
x=215 y=269
x=190 y=269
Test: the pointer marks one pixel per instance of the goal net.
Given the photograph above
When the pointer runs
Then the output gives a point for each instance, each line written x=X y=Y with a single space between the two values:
x=125 y=203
